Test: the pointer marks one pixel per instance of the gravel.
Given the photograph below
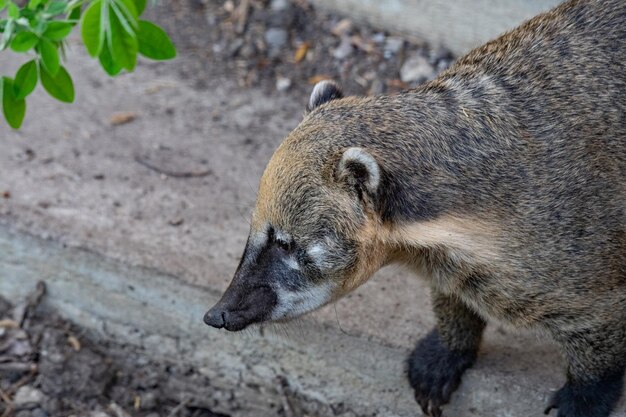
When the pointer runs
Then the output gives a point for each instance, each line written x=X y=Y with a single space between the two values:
x=417 y=69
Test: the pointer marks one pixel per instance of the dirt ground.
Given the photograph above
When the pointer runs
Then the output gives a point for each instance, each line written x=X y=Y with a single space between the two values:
x=52 y=368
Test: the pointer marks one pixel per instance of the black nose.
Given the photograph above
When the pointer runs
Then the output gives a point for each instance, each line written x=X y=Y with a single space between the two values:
x=215 y=317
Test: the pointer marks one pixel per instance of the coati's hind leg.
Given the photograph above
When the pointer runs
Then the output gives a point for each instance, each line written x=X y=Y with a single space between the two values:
x=439 y=360
x=596 y=360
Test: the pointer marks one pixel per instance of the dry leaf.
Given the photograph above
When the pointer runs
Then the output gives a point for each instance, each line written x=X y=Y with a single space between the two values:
x=396 y=83
x=364 y=45
x=342 y=28
x=74 y=342
x=319 y=77
x=301 y=52
x=137 y=403
x=9 y=324
x=121 y=118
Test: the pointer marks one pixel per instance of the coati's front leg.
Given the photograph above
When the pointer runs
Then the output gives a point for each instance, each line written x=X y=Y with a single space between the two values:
x=596 y=360
x=439 y=360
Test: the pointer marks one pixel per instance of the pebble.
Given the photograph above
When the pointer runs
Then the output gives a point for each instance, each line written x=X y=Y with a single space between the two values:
x=282 y=83
x=344 y=49
x=379 y=37
x=98 y=414
x=279 y=5
x=39 y=412
x=438 y=54
x=27 y=396
x=276 y=38
x=148 y=401
x=416 y=69
x=393 y=45
x=378 y=87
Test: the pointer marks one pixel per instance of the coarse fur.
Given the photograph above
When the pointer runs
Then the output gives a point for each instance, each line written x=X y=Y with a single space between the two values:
x=502 y=181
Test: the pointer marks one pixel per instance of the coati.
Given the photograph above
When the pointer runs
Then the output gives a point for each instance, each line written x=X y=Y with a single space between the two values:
x=502 y=182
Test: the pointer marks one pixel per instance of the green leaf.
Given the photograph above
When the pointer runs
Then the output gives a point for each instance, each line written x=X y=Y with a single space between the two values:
x=59 y=86
x=13 y=11
x=154 y=42
x=106 y=60
x=126 y=19
x=3 y=4
x=57 y=30
x=49 y=56
x=14 y=109
x=123 y=46
x=129 y=9
x=91 y=31
x=33 y=4
x=6 y=35
x=74 y=15
x=25 y=79
x=24 y=41
x=56 y=7
x=140 y=5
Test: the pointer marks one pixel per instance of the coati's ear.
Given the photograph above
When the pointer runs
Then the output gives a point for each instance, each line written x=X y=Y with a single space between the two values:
x=323 y=92
x=359 y=168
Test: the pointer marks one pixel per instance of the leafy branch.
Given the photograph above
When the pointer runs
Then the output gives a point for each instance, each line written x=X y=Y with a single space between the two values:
x=111 y=30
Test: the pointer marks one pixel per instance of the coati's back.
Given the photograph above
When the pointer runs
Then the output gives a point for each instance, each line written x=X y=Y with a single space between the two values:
x=558 y=85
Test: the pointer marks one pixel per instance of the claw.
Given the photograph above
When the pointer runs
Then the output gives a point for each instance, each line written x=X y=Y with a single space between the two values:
x=552 y=403
x=423 y=402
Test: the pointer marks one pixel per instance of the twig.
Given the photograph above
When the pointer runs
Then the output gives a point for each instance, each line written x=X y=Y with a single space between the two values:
x=282 y=383
x=179 y=407
x=7 y=412
x=17 y=367
x=175 y=174
x=32 y=301
x=26 y=378
x=241 y=15
x=5 y=398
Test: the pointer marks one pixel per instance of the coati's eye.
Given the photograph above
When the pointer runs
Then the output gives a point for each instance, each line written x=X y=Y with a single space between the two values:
x=280 y=241
x=286 y=246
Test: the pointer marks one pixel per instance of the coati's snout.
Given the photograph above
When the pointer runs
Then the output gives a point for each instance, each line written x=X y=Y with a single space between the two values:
x=314 y=227
x=271 y=283
x=241 y=306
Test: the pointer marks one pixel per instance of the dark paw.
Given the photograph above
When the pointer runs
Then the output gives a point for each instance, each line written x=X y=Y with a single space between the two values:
x=590 y=399
x=435 y=372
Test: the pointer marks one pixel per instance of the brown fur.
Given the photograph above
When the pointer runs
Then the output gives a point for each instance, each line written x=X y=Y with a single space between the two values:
x=503 y=183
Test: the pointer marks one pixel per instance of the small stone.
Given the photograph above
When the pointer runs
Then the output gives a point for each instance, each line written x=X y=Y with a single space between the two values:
x=344 y=49
x=148 y=401
x=279 y=5
x=283 y=83
x=98 y=413
x=276 y=38
x=39 y=412
x=378 y=87
x=416 y=69
x=378 y=37
x=444 y=64
x=235 y=46
x=393 y=45
x=27 y=396
x=440 y=53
